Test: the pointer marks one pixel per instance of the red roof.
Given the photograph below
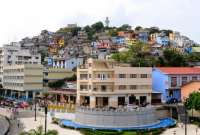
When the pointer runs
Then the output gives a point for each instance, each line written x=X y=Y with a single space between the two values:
x=180 y=70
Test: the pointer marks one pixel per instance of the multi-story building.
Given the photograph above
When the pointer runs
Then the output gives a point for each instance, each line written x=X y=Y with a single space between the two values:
x=22 y=81
x=168 y=80
x=106 y=83
x=14 y=54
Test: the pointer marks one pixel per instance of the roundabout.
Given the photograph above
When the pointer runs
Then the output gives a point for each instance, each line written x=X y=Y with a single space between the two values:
x=163 y=123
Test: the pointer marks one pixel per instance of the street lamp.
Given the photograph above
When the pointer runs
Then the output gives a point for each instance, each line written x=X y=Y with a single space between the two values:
x=46 y=110
x=35 y=109
x=185 y=121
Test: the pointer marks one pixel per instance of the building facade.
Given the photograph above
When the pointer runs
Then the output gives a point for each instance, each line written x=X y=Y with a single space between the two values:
x=14 y=54
x=188 y=88
x=22 y=81
x=168 y=80
x=68 y=63
x=103 y=83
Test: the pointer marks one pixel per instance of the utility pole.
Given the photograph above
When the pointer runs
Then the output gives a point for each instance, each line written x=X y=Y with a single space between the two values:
x=46 y=115
x=35 y=109
x=185 y=121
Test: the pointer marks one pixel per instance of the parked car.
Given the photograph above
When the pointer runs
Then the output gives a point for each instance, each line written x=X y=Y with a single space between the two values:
x=172 y=101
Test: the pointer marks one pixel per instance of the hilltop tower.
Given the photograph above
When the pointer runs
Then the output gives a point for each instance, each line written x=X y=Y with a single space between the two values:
x=107 y=22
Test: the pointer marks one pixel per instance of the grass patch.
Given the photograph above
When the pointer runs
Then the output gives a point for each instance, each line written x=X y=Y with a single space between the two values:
x=99 y=132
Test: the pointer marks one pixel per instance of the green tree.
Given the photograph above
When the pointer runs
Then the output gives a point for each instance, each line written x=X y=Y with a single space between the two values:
x=40 y=131
x=137 y=55
x=138 y=28
x=173 y=58
x=124 y=27
x=75 y=30
x=98 y=26
x=193 y=101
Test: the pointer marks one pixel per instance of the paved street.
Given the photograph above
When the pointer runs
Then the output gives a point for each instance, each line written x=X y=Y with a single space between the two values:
x=180 y=130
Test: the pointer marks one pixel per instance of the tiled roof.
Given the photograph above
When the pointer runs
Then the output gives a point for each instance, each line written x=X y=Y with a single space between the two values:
x=180 y=70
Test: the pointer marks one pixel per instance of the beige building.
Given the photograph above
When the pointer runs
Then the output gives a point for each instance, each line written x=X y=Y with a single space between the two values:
x=106 y=83
x=23 y=81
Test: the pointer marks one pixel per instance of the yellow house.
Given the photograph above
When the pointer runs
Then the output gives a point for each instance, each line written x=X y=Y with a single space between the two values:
x=130 y=41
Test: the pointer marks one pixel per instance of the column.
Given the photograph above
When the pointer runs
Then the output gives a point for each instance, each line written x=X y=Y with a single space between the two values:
x=92 y=101
x=127 y=99
x=26 y=94
x=113 y=101
x=34 y=93
x=61 y=64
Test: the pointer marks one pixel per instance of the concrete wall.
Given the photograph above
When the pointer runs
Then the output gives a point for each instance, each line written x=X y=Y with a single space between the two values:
x=145 y=116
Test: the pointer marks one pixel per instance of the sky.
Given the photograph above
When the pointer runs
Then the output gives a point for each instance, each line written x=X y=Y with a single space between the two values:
x=22 y=18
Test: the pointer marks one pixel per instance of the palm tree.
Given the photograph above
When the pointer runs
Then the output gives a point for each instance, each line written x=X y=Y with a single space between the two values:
x=39 y=131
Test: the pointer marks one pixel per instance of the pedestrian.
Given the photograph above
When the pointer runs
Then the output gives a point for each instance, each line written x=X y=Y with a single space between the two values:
x=18 y=124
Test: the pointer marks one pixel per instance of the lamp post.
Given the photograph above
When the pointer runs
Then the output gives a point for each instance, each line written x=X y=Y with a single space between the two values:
x=46 y=111
x=185 y=121
x=35 y=109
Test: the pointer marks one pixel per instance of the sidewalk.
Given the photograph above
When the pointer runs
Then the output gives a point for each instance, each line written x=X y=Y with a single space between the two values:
x=180 y=130
x=29 y=123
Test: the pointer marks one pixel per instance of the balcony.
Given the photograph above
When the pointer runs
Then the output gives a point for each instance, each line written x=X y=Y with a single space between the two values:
x=100 y=80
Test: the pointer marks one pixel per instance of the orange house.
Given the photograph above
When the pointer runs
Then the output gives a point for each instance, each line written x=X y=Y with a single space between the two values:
x=193 y=86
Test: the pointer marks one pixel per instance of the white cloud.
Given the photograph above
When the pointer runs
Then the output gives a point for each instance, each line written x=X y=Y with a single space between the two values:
x=28 y=17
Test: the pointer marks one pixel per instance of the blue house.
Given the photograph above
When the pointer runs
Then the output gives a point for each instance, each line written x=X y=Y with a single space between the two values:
x=118 y=40
x=162 y=40
x=143 y=36
x=168 y=80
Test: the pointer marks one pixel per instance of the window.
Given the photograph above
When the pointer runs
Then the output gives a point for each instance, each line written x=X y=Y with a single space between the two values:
x=133 y=87
x=184 y=80
x=173 y=81
x=143 y=75
x=83 y=87
x=103 y=88
x=90 y=76
x=133 y=76
x=194 y=78
x=122 y=75
x=83 y=76
x=122 y=87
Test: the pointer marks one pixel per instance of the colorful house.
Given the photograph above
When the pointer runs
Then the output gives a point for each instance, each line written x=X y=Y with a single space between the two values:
x=118 y=40
x=143 y=36
x=162 y=40
x=168 y=80
x=188 y=88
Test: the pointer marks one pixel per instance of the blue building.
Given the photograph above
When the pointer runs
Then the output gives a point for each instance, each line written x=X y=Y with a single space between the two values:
x=68 y=63
x=168 y=80
x=118 y=40
x=162 y=40
x=143 y=36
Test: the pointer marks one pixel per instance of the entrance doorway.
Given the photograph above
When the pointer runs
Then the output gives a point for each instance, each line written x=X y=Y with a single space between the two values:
x=121 y=101
x=101 y=101
x=143 y=99
x=132 y=99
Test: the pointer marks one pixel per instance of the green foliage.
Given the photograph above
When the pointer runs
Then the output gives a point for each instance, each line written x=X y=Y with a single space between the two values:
x=138 y=28
x=193 y=102
x=98 y=26
x=137 y=55
x=40 y=131
x=124 y=27
x=60 y=83
x=172 y=58
x=193 y=57
x=75 y=30
x=98 y=132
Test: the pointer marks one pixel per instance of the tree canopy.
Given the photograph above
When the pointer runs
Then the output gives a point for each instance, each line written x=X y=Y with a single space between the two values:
x=193 y=101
